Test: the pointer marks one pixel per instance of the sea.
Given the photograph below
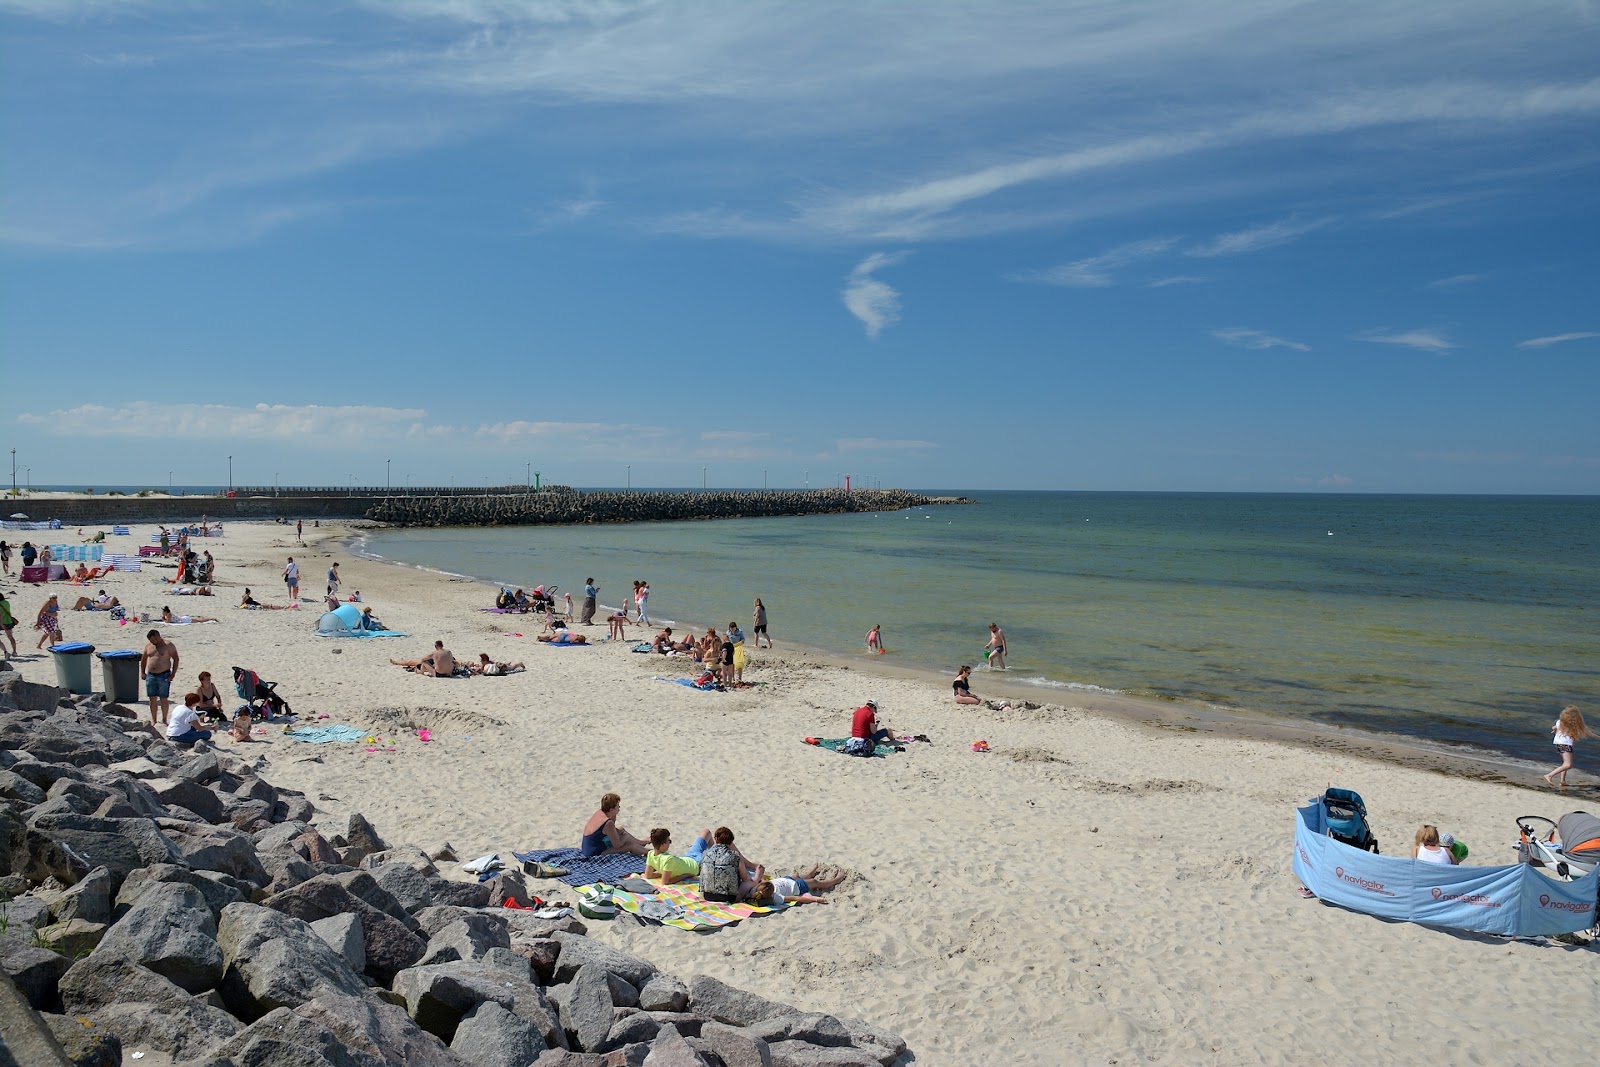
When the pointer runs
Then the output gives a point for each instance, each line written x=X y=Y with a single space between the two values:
x=1467 y=621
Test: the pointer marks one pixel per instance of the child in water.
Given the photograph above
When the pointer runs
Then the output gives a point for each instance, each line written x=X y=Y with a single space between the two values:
x=875 y=638
x=1569 y=729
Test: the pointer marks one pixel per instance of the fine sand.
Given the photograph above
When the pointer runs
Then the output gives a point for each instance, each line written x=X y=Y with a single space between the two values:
x=1095 y=889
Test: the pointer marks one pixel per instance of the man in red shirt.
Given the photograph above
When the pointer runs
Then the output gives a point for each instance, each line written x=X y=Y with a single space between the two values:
x=865 y=723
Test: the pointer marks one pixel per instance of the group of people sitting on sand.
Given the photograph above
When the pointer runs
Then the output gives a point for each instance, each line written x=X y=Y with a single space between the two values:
x=721 y=653
x=442 y=663
x=724 y=874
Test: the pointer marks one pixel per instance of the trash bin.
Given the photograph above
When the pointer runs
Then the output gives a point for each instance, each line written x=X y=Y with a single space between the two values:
x=72 y=666
x=119 y=673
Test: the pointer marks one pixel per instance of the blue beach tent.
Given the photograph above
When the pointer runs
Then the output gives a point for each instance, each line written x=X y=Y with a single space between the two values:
x=345 y=621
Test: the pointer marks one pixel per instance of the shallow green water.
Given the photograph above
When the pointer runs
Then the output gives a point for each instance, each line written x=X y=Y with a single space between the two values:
x=1467 y=620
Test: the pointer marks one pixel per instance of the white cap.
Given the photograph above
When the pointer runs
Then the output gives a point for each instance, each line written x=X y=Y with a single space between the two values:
x=1446 y=840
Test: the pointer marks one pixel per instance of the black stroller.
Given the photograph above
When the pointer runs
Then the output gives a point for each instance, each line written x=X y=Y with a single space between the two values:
x=260 y=695
x=1347 y=819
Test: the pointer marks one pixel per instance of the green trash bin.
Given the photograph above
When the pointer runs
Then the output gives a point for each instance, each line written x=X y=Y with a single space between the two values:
x=72 y=666
x=119 y=673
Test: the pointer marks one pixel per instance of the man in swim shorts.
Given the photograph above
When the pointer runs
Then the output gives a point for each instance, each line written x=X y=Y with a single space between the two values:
x=157 y=664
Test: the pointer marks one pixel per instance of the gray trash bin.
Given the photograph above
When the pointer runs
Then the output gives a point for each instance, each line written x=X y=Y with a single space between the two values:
x=119 y=673
x=72 y=666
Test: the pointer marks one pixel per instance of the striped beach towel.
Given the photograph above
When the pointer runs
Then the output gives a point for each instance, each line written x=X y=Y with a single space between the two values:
x=121 y=562
x=691 y=911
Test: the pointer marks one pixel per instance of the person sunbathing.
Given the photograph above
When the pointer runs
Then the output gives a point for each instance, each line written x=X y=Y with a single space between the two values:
x=252 y=604
x=191 y=590
x=662 y=866
x=183 y=620
x=563 y=637
x=603 y=836
x=662 y=642
x=796 y=890
x=101 y=602
x=492 y=669
x=81 y=575
x=439 y=663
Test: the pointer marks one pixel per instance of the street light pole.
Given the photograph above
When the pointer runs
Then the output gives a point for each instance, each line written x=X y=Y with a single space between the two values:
x=529 y=480
x=13 y=472
x=230 y=474
x=169 y=483
x=630 y=475
x=702 y=479
x=763 y=479
x=386 y=474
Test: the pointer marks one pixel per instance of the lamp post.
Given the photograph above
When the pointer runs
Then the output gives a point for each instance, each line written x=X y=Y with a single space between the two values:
x=169 y=483
x=702 y=479
x=386 y=474
x=230 y=474
x=529 y=480
x=763 y=479
x=13 y=472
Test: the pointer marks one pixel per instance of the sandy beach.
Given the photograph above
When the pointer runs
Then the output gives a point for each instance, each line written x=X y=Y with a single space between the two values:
x=1094 y=889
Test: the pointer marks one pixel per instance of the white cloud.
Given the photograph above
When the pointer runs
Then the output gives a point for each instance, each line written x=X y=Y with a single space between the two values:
x=520 y=430
x=1176 y=279
x=1422 y=340
x=308 y=424
x=1259 y=237
x=734 y=436
x=1455 y=281
x=872 y=301
x=1094 y=272
x=879 y=444
x=1556 y=339
x=1245 y=338
x=1336 y=480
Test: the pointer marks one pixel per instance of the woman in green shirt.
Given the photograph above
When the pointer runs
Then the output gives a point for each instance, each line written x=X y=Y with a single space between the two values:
x=661 y=865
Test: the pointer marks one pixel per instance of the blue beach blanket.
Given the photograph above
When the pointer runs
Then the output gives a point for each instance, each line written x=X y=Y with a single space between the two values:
x=580 y=871
x=321 y=735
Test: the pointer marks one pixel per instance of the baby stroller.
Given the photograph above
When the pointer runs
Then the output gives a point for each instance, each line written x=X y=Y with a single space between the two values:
x=260 y=695
x=1347 y=819
x=1570 y=847
x=543 y=598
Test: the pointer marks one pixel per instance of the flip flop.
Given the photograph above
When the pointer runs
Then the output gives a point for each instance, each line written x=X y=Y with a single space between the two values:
x=1308 y=894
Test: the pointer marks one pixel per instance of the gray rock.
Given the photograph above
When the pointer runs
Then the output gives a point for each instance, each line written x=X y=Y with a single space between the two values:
x=295 y=808
x=219 y=848
x=170 y=931
x=800 y=1054
x=724 y=1003
x=524 y=925
x=85 y=1043
x=736 y=1046
x=623 y=992
x=410 y=855
x=671 y=1049
x=630 y=1030
x=663 y=992
x=360 y=836
x=431 y=920
x=89 y=899
x=883 y=1044
x=73 y=938
x=383 y=1031
x=273 y=960
x=343 y=934
x=283 y=1039
x=406 y=884
x=15 y=787
x=36 y=971
x=577 y=951
x=142 y=1008
x=461 y=894
x=279 y=838
x=503 y=959
x=217 y=890
x=586 y=1008
x=440 y=995
x=541 y=954
x=363 y=885
x=201 y=768
x=491 y=1036
x=811 y=1027
x=686 y=1023
x=119 y=845
x=43 y=774
x=286 y=871
x=390 y=947
x=468 y=938
x=188 y=794
x=26 y=914
x=83 y=796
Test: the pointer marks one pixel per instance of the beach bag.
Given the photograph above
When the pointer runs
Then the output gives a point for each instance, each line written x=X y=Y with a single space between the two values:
x=860 y=746
x=719 y=874
x=596 y=903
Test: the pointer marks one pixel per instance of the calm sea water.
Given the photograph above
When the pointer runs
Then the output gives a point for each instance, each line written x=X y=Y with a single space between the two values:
x=1467 y=620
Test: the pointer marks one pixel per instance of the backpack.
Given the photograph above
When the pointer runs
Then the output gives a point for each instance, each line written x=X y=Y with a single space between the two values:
x=596 y=903
x=719 y=874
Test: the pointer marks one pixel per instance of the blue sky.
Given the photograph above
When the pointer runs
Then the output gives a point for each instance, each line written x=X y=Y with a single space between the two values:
x=1257 y=245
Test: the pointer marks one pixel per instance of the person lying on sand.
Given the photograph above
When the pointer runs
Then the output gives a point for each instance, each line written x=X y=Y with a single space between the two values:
x=563 y=637
x=252 y=604
x=796 y=890
x=100 y=602
x=602 y=835
x=492 y=669
x=438 y=663
x=183 y=620
x=662 y=866
x=191 y=590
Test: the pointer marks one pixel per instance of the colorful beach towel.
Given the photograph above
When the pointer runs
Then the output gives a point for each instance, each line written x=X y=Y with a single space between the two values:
x=685 y=908
x=836 y=744
x=322 y=735
x=580 y=871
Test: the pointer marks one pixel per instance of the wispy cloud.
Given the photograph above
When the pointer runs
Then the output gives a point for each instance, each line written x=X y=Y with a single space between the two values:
x=734 y=436
x=1422 y=340
x=1095 y=272
x=1455 y=281
x=1258 y=237
x=1176 y=279
x=312 y=425
x=1256 y=339
x=879 y=444
x=1556 y=339
x=870 y=299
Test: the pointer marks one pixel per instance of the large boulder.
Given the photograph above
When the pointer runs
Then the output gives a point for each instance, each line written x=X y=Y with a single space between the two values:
x=406 y=884
x=119 y=845
x=800 y=1054
x=283 y=1039
x=734 y=1045
x=170 y=931
x=491 y=1036
x=468 y=938
x=389 y=946
x=273 y=960
x=218 y=848
x=218 y=890
x=73 y=938
x=440 y=995
x=586 y=1008
x=576 y=951
x=883 y=1044
x=630 y=1030
x=663 y=992
x=359 y=838
x=143 y=1008
x=383 y=1031
x=36 y=971
x=85 y=1043
x=187 y=794
x=671 y=1049
x=363 y=885
x=89 y=899
x=726 y=1004
x=16 y=788
x=343 y=933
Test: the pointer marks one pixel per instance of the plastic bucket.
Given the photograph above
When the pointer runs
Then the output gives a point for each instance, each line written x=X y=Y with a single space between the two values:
x=119 y=673
x=72 y=666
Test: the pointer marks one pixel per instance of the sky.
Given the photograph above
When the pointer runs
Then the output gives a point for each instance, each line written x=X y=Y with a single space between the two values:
x=1130 y=245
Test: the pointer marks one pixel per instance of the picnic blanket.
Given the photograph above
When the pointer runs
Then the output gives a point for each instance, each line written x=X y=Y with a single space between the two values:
x=688 y=909
x=704 y=686
x=836 y=744
x=580 y=871
x=322 y=735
